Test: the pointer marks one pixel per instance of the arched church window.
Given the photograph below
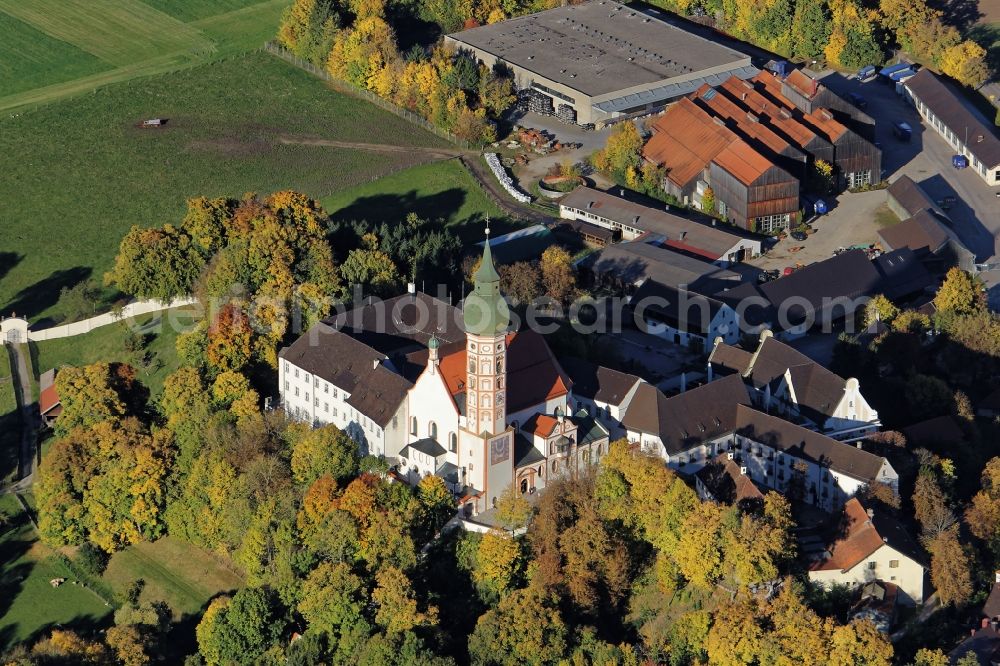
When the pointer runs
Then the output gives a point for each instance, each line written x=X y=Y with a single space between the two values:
x=499 y=365
x=452 y=442
x=432 y=430
x=413 y=426
x=472 y=365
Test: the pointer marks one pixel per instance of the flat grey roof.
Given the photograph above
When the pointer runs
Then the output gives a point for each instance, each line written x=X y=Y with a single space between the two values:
x=599 y=47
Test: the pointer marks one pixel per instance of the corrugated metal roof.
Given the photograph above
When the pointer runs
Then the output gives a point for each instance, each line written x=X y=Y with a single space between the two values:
x=673 y=90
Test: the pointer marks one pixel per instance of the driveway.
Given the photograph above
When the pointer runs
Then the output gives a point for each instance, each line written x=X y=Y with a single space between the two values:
x=851 y=222
x=927 y=160
x=539 y=165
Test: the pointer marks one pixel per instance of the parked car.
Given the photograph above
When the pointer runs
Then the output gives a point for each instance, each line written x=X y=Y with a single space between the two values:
x=959 y=161
x=857 y=100
x=866 y=73
x=799 y=235
x=788 y=270
x=902 y=131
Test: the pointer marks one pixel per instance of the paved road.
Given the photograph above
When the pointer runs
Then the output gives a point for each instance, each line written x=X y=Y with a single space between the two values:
x=26 y=466
x=927 y=159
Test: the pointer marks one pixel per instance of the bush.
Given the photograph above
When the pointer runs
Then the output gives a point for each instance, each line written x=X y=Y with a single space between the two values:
x=91 y=559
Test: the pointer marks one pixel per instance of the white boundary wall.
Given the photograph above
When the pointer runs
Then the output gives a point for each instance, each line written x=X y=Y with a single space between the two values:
x=15 y=329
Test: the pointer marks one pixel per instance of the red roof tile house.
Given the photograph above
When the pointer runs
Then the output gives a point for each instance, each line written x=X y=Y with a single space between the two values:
x=866 y=546
x=699 y=151
x=48 y=399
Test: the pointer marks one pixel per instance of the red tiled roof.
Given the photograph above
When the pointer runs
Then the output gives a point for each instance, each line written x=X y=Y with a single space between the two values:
x=743 y=162
x=820 y=120
x=860 y=535
x=542 y=425
x=48 y=400
x=778 y=114
x=802 y=83
x=749 y=124
x=533 y=374
x=685 y=139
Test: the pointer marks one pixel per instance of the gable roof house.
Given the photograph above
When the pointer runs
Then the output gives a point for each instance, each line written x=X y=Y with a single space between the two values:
x=624 y=267
x=786 y=381
x=683 y=317
x=699 y=151
x=601 y=392
x=867 y=546
x=708 y=242
x=925 y=228
x=944 y=110
x=723 y=480
x=690 y=429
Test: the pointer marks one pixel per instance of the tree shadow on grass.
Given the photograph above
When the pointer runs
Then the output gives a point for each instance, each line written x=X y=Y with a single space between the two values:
x=395 y=207
x=7 y=262
x=42 y=295
x=12 y=576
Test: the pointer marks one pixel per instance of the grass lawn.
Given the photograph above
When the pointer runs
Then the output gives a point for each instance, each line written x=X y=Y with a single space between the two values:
x=184 y=576
x=52 y=49
x=10 y=419
x=31 y=59
x=440 y=190
x=108 y=344
x=29 y=605
x=78 y=173
x=885 y=217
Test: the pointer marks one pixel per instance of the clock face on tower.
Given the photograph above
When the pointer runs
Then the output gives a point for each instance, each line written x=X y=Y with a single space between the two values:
x=499 y=450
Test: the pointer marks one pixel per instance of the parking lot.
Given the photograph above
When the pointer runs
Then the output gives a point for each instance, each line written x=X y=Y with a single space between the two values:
x=926 y=158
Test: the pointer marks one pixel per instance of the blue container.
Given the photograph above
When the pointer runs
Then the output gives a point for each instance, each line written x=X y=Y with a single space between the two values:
x=866 y=73
x=781 y=68
x=902 y=74
x=959 y=161
x=892 y=69
x=820 y=207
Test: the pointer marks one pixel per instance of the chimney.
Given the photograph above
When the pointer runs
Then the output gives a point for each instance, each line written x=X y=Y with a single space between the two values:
x=375 y=363
x=743 y=471
x=871 y=513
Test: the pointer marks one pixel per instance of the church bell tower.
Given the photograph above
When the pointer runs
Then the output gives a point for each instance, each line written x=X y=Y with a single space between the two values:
x=486 y=321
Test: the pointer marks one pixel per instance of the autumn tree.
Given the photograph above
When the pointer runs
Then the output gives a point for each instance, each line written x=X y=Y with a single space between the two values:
x=931 y=507
x=621 y=152
x=437 y=506
x=397 y=608
x=966 y=62
x=859 y=642
x=95 y=393
x=950 y=567
x=983 y=514
x=308 y=28
x=521 y=282
x=557 y=273
x=513 y=510
x=500 y=563
x=959 y=294
x=525 y=627
x=241 y=628
x=333 y=599
x=323 y=450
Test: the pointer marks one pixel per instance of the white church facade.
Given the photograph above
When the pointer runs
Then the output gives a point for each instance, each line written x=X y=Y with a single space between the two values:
x=438 y=390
